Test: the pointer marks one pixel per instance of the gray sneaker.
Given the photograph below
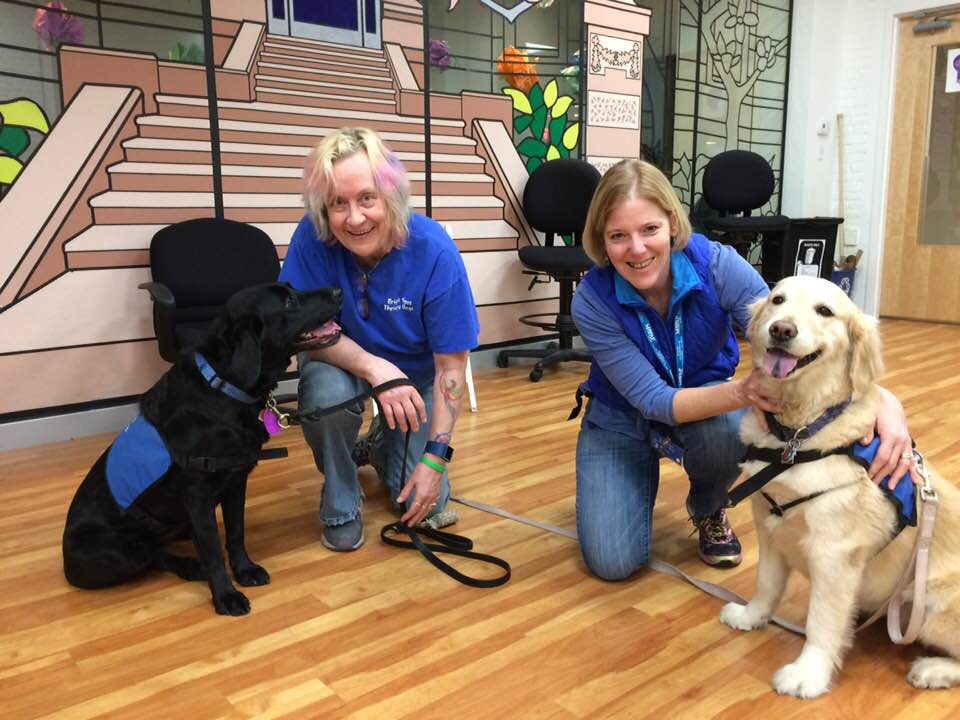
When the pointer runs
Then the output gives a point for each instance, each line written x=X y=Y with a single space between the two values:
x=345 y=537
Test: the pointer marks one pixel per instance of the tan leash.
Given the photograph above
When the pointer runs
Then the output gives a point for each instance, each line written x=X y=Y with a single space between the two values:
x=915 y=573
x=917 y=570
x=660 y=566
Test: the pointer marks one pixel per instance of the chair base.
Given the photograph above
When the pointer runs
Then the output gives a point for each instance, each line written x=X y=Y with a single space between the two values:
x=548 y=357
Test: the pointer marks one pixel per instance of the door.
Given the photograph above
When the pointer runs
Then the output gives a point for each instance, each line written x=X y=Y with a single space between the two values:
x=921 y=256
x=348 y=22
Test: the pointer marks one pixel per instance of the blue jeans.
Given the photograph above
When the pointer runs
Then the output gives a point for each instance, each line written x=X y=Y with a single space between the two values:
x=331 y=438
x=617 y=480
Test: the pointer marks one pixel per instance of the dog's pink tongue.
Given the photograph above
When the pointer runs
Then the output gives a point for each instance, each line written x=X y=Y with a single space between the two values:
x=778 y=364
x=328 y=328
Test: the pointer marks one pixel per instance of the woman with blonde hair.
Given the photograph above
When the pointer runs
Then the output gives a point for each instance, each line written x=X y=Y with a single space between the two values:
x=408 y=312
x=658 y=313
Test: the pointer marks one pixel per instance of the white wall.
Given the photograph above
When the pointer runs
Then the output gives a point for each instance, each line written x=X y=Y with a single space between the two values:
x=842 y=62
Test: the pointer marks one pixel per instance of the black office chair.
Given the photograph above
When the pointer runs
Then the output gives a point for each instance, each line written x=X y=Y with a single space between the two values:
x=196 y=265
x=555 y=202
x=735 y=183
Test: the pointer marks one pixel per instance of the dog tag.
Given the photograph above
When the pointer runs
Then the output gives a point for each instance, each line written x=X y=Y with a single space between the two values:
x=271 y=421
x=789 y=453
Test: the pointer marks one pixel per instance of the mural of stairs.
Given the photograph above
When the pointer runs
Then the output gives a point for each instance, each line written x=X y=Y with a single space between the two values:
x=304 y=90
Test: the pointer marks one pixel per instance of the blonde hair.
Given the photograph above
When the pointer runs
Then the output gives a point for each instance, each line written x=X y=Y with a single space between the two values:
x=626 y=180
x=388 y=175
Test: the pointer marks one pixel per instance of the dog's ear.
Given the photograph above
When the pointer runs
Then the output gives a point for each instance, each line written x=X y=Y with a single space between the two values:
x=246 y=354
x=866 y=353
x=756 y=307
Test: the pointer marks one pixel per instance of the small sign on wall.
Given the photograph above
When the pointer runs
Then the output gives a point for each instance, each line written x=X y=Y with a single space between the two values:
x=953 y=70
x=809 y=258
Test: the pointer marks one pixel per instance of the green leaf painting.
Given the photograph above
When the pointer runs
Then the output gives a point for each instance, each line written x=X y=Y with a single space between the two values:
x=16 y=117
x=541 y=129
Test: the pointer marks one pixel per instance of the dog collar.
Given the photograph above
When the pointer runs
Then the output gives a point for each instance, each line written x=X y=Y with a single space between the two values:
x=218 y=383
x=784 y=433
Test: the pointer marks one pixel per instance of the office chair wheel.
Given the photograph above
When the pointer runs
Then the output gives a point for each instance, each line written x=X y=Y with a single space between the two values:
x=502 y=360
x=536 y=374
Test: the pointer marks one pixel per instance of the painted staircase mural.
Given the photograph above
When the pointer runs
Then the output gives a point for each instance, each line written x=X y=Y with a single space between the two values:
x=131 y=152
x=125 y=160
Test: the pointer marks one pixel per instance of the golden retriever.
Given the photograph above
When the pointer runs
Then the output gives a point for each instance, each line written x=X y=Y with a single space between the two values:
x=819 y=350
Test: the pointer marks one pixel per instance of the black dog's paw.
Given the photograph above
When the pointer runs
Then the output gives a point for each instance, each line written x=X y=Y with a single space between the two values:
x=187 y=568
x=232 y=602
x=251 y=574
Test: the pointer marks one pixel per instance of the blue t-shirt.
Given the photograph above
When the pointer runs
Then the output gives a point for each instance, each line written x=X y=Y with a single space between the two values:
x=419 y=295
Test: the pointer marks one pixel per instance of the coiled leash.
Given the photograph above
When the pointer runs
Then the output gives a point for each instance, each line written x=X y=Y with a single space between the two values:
x=276 y=415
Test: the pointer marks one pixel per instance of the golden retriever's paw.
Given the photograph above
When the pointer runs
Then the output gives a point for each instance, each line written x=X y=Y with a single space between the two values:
x=806 y=677
x=934 y=673
x=741 y=617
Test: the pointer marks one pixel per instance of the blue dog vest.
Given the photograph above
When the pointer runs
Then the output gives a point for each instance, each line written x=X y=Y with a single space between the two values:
x=902 y=496
x=136 y=460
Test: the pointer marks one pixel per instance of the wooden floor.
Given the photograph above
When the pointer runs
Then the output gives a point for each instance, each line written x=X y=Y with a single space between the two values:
x=380 y=633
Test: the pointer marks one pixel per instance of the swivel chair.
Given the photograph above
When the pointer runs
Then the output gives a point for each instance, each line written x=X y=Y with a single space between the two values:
x=196 y=265
x=735 y=183
x=555 y=202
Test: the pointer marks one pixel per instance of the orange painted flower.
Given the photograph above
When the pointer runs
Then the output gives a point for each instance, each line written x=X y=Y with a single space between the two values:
x=517 y=69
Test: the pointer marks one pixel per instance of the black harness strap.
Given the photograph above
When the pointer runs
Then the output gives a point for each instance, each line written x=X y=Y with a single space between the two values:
x=776 y=467
x=779 y=510
x=450 y=544
x=225 y=462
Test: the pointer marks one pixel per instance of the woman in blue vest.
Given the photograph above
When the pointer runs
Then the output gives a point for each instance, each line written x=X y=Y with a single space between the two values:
x=658 y=313
x=408 y=312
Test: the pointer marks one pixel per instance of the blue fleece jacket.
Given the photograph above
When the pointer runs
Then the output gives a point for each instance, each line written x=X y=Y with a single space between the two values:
x=712 y=286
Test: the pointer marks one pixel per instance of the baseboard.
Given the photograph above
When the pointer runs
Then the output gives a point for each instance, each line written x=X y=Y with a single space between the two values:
x=73 y=425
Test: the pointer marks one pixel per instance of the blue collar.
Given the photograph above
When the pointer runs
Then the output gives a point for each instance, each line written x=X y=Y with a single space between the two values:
x=218 y=383
x=684 y=276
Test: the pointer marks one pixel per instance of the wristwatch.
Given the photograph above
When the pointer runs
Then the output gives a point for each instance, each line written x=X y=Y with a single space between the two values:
x=441 y=450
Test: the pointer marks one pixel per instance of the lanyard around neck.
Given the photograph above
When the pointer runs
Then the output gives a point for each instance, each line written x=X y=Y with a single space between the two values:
x=677 y=343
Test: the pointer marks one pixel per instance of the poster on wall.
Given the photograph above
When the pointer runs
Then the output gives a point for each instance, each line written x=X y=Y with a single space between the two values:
x=953 y=70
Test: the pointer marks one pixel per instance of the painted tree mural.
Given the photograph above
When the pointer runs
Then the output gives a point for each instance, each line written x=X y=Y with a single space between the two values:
x=739 y=55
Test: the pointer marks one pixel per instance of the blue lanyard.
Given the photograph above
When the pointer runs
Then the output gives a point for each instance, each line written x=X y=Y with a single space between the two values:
x=678 y=345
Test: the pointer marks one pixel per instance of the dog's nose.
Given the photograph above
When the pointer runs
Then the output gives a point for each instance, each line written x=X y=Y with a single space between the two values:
x=783 y=330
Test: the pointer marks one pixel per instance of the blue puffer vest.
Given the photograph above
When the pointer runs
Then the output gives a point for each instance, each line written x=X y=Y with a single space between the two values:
x=710 y=347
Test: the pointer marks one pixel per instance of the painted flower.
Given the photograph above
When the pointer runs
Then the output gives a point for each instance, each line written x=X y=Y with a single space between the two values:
x=517 y=69
x=439 y=54
x=542 y=112
x=55 y=25
x=765 y=55
x=740 y=22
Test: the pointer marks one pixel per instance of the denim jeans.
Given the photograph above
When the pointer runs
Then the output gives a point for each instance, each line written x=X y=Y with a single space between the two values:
x=331 y=438
x=617 y=480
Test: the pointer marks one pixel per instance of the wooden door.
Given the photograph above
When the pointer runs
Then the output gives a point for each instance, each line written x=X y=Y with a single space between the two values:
x=921 y=257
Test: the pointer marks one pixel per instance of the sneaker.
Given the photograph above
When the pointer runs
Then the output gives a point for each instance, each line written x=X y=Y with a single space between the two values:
x=345 y=537
x=442 y=519
x=719 y=545
x=361 y=454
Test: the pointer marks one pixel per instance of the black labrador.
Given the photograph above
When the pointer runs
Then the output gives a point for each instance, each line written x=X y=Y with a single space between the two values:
x=198 y=436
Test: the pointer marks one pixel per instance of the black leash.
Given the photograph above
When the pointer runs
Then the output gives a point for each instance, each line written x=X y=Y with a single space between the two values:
x=449 y=542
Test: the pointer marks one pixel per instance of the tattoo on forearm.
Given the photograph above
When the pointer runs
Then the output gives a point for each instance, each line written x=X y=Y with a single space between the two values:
x=451 y=389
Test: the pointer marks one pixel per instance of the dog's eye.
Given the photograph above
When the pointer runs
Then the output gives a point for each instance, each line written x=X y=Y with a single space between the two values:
x=778 y=299
x=288 y=302
x=824 y=310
